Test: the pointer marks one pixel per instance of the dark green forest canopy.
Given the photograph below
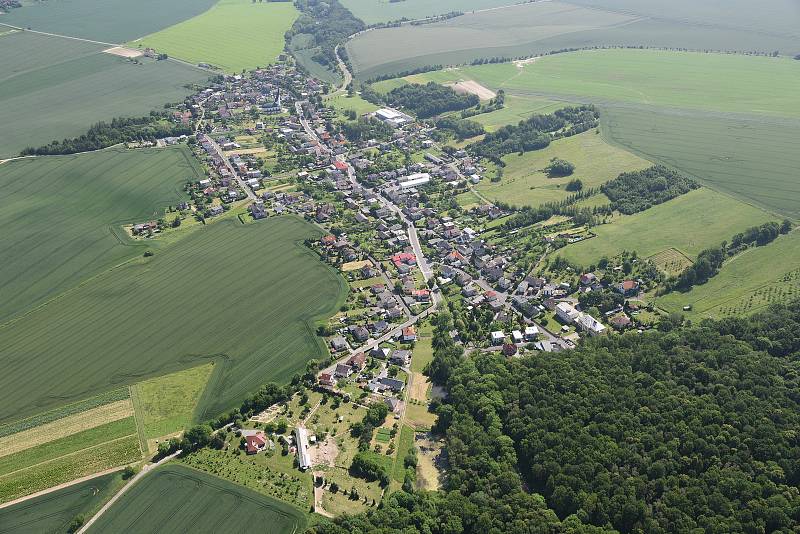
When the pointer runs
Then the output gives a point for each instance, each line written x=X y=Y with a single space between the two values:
x=689 y=430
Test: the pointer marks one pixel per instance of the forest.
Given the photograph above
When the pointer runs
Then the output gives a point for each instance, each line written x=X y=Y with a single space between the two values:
x=119 y=130
x=429 y=100
x=330 y=24
x=632 y=192
x=691 y=428
x=535 y=133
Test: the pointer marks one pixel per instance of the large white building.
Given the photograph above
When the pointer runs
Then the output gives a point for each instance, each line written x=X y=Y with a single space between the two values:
x=414 y=180
x=392 y=117
x=303 y=457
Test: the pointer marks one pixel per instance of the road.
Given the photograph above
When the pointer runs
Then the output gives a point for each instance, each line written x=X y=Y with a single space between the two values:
x=307 y=127
x=146 y=469
x=347 y=77
x=249 y=192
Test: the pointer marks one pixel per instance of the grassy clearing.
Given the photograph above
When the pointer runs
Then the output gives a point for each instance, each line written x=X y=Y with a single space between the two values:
x=418 y=416
x=54 y=511
x=166 y=405
x=176 y=499
x=423 y=349
x=75 y=442
x=62 y=214
x=404 y=444
x=69 y=467
x=52 y=88
x=689 y=223
x=257 y=325
x=65 y=427
x=253 y=35
x=748 y=283
x=517 y=108
x=344 y=103
x=113 y=21
x=524 y=181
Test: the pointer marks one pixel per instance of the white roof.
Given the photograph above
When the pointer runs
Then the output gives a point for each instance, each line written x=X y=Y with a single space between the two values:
x=498 y=335
x=516 y=334
x=388 y=113
x=303 y=458
x=531 y=330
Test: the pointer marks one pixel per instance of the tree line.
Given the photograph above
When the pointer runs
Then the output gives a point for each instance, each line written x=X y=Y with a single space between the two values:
x=636 y=191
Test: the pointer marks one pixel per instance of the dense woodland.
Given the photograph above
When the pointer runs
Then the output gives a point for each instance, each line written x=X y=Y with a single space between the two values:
x=329 y=24
x=688 y=429
x=536 y=132
x=429 y=100
x=119 y=130
x=636 y=191
x=460 y=128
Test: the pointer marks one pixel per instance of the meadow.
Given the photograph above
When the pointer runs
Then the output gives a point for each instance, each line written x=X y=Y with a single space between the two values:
x=749 y=282
x=253 y=35
x=175 y=499
x=243 y=296
x=377 y=11
x=61 y=216
x=112 y=21
x=52 y=88
x=525 y=183
x=689 y=223
x=54 y=511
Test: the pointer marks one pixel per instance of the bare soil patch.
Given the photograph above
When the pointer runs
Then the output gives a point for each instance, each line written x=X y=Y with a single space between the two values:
x=473 y=87
x=121 y=51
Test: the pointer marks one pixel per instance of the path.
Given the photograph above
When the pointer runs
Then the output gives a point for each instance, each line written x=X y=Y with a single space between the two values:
x=146 y=469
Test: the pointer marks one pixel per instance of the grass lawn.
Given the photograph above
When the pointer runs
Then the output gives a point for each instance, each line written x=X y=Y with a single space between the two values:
x=418 y=416
x=404 y=444
x=690 y=223
x=176 y=499
x=747 y=283
x=233 y=35
x=54 y=511
x=52 y=88
x=166 y=405
x=423 y=348
x=257 y=324
x=62 y=215
x=342 y=103
x=524 y=181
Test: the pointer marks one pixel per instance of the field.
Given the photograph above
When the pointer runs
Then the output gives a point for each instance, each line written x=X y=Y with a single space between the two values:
x=45 y=451
x=689 y=223
x=179 y=499
x=52 y=88
x=543 y=27
x=244 y=296
x=54 y=511
x=524 y=181
x=113 y=21
x=61 y=215
x=748 y=283
x=165 y=405
x=376 y=11
x=253 y=35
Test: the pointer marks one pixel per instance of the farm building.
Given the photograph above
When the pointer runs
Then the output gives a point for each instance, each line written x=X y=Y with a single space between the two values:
x=303 y=457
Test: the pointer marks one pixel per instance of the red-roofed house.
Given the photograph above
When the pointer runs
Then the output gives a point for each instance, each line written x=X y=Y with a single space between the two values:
x=327 y=380
x=358 y=361
x=409 y=334
x=255 y=443
x=340 y=165
x=422 y=295
x=404 y=257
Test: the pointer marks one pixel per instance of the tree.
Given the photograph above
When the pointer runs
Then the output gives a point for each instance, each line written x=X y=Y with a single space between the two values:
x=197 y=437
x=574 y=185
x=559 y=167
x=76 y=524
x=128 y=472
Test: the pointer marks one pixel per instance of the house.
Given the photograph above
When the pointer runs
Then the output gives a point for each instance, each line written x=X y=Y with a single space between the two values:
x=380 y=353
x=400 y=357
x=627 y=287
x=392 y=383
x=516 y=335
x=531 y=332
x=394 y=405
x=303 y=458
x=589 y=324
x=216 y=210
x=498 y=337
x=254 y=443
x=357 y=362
x=588 y=279
x=422 y=295
x=338 y=344
x=326 y=379
x=409 y=334
x=257 y=210
x=566 y=312
x=359 y=332
x=620 y=322
x=343 y=370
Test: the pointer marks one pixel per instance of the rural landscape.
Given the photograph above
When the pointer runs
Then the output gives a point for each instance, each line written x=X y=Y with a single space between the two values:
x=397 y=266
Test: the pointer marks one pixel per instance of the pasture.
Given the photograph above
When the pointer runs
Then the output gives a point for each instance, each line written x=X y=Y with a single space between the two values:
x=61 y=216
x=525 y=183
x=112 y=21
x=52 y=88
x=689 y=223
x=252 y=35
x=243 y=296
x=747 y=283
x=53 y=512
x=176 y=499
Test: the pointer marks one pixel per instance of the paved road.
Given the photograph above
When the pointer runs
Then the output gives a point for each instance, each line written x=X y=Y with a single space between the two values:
x=249 y=192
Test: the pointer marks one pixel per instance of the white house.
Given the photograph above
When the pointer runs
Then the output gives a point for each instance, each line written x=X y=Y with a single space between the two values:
x=531 y=332
x=498 y=337
x=516 y=335
x=566 y=312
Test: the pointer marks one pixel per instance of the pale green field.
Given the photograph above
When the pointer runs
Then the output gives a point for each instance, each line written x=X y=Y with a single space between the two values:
x=375 y=11
x=750 y=282
x=344 y=103
x=690 y=223
x=233 y=35
x=525 y=183
x=517 y=108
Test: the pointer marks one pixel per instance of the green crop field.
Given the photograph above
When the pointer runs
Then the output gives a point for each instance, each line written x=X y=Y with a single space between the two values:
x=180 y=499
x=376 y=11
x=112 y=21
x=525 y=183
x=233 y=35
x=689 y=223
x=61 y=216
x=245 y=296
x=52 y=88
x=52 y=513
x=543 y=27
x=748 y=283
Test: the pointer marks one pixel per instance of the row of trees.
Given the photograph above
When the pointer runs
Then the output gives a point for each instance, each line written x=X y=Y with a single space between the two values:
x=119 y=130
x=636 y=191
